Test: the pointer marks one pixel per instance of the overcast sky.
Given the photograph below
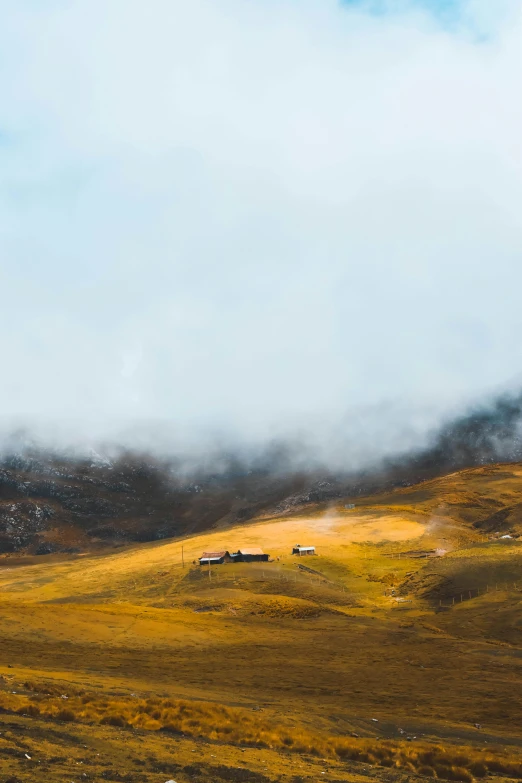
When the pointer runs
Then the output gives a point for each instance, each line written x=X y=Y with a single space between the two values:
x=258 y=215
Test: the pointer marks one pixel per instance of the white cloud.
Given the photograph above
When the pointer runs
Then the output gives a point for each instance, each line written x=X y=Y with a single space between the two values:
x=253 y=215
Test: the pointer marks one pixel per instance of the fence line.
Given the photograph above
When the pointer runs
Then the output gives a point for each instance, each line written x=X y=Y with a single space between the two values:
x=475 y=592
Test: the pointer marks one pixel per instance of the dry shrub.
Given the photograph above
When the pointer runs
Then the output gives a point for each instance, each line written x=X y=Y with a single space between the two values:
x=52 y=689
x=478 y=769
x=171 y=729
x=512 y=770
x=454 y=773
x=239 y=726
x=114 y=720
x=428 y=772
x=66 y=715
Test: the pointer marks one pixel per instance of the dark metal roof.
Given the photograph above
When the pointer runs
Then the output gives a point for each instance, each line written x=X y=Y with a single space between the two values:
x=253 y=550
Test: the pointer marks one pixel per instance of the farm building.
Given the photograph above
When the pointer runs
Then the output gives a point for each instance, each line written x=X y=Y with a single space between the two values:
x=250 y=555
x=303 y=550
x=215 y=558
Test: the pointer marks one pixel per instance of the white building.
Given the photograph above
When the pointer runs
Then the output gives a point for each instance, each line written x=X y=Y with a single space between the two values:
x=303 y=550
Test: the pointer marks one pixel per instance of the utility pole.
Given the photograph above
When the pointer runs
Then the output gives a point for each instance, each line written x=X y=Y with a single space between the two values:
x=209 y=574
x=182 y=558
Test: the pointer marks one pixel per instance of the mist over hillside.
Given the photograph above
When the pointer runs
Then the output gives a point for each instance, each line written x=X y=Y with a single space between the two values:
x=234 y=281
x=238 y=244
x=52 y=500
x=488 y=433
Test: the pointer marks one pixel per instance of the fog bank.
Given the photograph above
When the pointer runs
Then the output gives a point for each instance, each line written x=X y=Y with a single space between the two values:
x=228 y=224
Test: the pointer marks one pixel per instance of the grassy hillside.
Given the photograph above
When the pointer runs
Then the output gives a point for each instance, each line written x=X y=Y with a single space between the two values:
x=395 y=650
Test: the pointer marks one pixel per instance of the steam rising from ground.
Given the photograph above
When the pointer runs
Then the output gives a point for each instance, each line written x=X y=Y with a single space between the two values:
x=230 y=223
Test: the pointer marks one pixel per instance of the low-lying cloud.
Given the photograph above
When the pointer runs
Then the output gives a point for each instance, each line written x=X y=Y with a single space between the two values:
x=243 y=220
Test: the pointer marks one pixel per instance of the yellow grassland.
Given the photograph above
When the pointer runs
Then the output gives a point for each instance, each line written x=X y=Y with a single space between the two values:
x=232 y=725
x=382 y=642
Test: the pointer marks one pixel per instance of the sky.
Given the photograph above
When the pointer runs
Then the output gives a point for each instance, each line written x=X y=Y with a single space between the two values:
x=255 y=218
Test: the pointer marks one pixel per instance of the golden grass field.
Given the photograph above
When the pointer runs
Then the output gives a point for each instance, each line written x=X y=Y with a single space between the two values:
x=401 y=656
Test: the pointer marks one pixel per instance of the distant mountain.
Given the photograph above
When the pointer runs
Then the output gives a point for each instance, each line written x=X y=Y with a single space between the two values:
x=51 y=502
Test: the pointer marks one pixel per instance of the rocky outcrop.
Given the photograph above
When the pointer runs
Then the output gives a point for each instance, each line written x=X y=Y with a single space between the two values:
x=50 y=504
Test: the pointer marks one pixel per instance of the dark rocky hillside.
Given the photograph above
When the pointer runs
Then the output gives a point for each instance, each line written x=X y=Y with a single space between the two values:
x=50 y=504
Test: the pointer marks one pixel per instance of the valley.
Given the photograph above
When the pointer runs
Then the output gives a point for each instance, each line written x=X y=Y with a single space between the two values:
x=394 y=652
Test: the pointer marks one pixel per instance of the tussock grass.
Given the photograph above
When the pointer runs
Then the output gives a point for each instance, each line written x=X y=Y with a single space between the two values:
x=239 y=726
x=273 y=606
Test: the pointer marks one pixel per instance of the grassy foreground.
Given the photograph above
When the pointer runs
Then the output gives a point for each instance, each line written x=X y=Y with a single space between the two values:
x=397 y=653
x=238 y=726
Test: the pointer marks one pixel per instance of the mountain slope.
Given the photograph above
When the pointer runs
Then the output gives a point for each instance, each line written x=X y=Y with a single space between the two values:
x=50 y=504
x=397 y=646
x=54 y=502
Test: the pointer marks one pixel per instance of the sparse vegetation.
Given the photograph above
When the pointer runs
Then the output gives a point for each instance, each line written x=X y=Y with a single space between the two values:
x=232 y=725
x=132 y=643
